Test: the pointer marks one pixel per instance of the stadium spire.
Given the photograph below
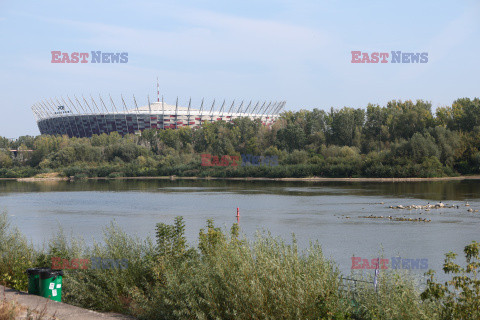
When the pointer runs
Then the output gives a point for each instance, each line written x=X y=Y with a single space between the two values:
x=158 y=91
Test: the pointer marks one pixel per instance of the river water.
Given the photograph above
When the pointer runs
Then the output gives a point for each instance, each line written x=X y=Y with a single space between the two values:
x=330 y=212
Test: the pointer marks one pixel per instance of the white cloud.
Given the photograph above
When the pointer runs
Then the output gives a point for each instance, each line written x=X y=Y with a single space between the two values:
x=207 y=36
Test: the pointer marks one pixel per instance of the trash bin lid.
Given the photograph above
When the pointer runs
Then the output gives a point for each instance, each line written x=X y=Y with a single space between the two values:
x=49 y=273
x=35 y=271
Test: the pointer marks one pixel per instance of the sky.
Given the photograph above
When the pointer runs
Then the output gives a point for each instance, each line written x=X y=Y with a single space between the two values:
x=298 y=51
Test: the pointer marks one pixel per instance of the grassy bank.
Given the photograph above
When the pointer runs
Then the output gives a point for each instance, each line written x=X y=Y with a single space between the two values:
x=59 y=177
x=228 y=277
x=324 y=169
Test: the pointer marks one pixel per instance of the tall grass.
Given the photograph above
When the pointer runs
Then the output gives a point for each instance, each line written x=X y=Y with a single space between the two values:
x=223 y=277
x=397 y=297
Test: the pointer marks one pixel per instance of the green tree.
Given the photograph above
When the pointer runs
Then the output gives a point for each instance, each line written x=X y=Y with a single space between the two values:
x=460 y=296
x=290 y=138
x=466 y=114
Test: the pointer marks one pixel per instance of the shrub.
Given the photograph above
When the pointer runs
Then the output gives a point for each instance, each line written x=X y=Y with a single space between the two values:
x=16 y=256
x=460 y=296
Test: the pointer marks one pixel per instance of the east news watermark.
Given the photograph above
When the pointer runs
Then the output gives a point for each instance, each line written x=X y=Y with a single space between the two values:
x=209 y=160
x=389 y=57
x=359 y=263
x=89 y=57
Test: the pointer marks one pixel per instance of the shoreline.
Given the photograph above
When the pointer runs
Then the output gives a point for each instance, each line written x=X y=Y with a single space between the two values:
x=310 y=179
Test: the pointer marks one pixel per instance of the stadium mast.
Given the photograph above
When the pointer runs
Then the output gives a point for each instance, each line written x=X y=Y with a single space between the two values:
x=158 y=91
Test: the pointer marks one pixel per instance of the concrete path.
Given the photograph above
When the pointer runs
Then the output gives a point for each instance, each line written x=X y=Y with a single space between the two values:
x=53 y=309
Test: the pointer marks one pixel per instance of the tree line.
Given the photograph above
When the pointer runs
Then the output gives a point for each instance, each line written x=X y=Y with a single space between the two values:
x=401 y=139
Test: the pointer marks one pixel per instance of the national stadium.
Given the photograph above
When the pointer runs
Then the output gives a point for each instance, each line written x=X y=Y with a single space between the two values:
x=84 y=117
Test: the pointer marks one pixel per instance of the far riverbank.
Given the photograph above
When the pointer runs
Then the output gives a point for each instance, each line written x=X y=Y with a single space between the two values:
x=309 y=179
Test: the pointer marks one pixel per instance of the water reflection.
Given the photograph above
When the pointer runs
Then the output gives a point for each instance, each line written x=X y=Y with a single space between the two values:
x=435 y=190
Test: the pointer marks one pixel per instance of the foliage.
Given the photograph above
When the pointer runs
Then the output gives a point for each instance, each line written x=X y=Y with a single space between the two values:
x=227 y=277
x=401 y=139
x=16 y=256
x=460 y=296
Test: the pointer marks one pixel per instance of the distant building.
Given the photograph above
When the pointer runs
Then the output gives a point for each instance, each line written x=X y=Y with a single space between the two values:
x=88 y=117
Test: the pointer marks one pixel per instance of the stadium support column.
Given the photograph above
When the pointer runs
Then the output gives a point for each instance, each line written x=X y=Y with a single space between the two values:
x=253 y=111
x=176 y=113
x=45 y=113
x=103 y=104
x=211 y=111
x=116 y=111
x=274 y=111
x=38 y=115
x=85 y=117
x=47 y=117
x=136 y=112
x=56 y=111
x=49 y=105
x=266 y=108
x=73 y=115
x=108 y=111
x=281 y=106
x=36 y=111
x=66 y=117
x=188 y=112
x=239 y=109
x=229 y=111
x=254 y=107
x=163 y=114
x=35 y=114
x=246 y=109
x=221 y=109
x=149 y=113
x=201 y=113
x=100 y=113
x=126 y=111
x=231 y=107
x=79 y=116
x=277 y=110
x=269 y=110
x=40 y=112
x=262 y=111
x=93 y=113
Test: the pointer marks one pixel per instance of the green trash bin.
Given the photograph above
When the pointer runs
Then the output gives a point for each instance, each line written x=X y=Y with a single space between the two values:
x=51 y=284
x=33 y=280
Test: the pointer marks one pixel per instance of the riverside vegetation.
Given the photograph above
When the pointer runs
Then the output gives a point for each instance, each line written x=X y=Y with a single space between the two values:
x=227 y=277
x=401 y=139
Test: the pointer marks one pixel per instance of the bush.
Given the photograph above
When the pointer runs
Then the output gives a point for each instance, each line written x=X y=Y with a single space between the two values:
x=228 y=277
x=232 y=279
x=16 y=256
x=110 y=289
x=460 y=296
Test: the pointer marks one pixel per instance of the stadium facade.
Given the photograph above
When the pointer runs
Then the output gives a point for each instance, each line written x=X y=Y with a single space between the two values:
x=86 y=117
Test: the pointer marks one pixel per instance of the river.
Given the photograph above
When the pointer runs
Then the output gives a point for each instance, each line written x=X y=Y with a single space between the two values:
x=330 y=212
